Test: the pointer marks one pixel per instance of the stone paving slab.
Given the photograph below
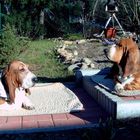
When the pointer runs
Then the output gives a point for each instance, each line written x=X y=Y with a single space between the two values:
x=118 y=107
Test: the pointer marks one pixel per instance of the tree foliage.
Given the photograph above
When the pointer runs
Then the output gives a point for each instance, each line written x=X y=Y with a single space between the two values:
x=11 y=45
x=25 y=15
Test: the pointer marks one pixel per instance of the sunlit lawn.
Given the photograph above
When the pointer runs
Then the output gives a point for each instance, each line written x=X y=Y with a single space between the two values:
x=43 y=60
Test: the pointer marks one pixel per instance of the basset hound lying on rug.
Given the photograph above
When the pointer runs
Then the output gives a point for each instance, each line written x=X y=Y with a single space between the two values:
x=15 y=82
x=126 y=69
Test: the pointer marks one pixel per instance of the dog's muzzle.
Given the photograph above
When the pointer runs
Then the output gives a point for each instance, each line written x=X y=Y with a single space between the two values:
x=29 y=80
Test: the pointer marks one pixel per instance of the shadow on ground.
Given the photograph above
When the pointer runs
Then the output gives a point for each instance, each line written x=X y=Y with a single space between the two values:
x=59 y=79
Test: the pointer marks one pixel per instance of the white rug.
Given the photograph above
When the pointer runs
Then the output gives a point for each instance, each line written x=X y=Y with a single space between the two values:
x=49 y=99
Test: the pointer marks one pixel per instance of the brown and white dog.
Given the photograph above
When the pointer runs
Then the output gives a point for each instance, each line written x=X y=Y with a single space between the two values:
x=126 y=69
x=16 y=80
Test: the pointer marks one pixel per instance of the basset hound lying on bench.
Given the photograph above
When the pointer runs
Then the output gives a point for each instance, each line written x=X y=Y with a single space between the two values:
x=15 y=82
x=126 y=69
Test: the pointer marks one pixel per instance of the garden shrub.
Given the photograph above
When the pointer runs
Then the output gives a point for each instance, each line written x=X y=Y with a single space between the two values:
x=10 y=45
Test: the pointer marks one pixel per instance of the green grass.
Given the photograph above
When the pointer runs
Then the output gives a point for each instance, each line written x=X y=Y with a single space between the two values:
x=42 y=59
x=73 y=36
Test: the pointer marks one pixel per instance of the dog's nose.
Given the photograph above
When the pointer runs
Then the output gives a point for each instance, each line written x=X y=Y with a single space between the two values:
x=106 y=51
x=34 y=80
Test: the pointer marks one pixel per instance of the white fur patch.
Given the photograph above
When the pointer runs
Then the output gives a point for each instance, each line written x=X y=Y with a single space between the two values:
x=2 y=91
x=119 y=87
x=20 y=100
x=27 y=81
x=128 y=80
x=112 y=52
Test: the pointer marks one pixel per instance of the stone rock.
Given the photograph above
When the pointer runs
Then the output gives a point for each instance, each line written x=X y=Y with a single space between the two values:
x=73 y=67
x=76 y=60
x=82 y=41
x=75 y=52
x=92 y=65
x=79 y=64
x=94 y=40
x=84 y=66
x=65 y=54
x=87 y=61
x=68 y=43
x=71 y=47
x=68 y=56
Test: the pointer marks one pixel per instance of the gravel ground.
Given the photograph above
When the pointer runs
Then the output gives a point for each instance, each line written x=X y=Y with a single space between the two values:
x=94 y=51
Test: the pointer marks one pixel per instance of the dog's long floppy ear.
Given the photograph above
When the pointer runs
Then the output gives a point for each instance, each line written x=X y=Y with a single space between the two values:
x=9 y=81
x=132 y=61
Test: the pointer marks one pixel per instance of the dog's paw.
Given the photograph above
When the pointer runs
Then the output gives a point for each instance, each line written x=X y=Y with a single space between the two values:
x=31 y=107
x=27 y=104
x=119 y=88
